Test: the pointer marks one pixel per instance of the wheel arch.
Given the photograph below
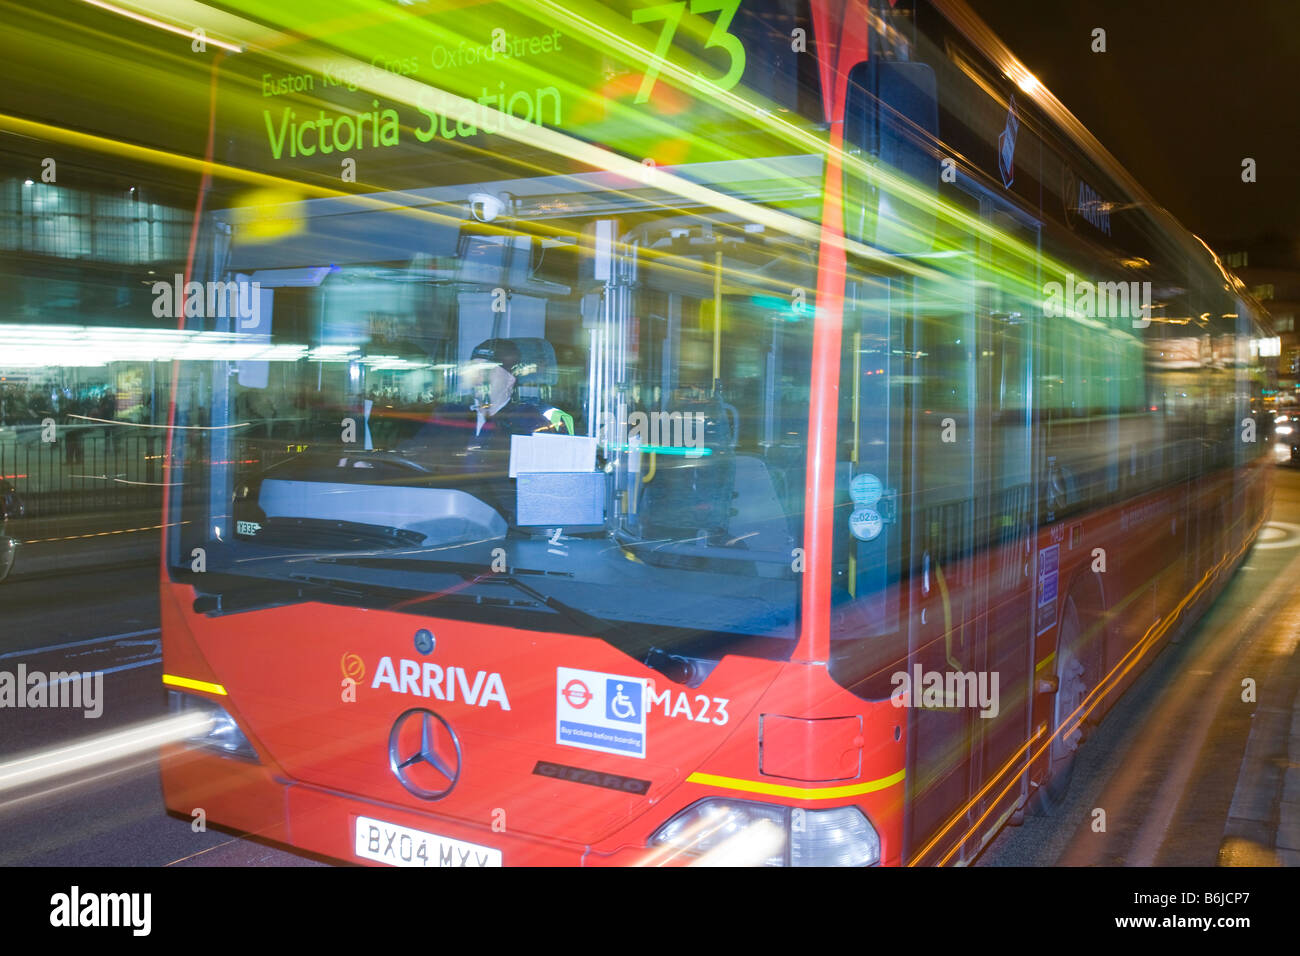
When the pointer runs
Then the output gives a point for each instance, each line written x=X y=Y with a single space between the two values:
x=1088 y=591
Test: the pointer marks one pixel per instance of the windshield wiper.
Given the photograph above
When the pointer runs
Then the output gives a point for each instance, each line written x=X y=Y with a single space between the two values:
x=462 y=568
x=232 y=594
x=476 y=574
x=593 y=626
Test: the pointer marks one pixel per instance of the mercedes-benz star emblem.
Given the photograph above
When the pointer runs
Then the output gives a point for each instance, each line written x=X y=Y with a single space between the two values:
x=431 y=766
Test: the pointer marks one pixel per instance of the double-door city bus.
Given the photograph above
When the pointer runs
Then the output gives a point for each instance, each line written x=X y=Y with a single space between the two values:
x=762 y=431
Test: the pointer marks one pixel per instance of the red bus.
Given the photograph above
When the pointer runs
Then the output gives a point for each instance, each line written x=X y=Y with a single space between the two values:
x=764 y=431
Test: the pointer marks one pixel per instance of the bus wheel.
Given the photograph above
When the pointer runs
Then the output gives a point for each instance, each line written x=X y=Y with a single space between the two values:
x=1074 y=679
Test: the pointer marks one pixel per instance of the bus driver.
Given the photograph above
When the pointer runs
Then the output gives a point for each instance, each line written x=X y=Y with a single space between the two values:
x=494 y=368
x=474 y=439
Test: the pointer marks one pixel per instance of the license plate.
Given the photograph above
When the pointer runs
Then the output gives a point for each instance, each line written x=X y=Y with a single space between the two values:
x=402 y=846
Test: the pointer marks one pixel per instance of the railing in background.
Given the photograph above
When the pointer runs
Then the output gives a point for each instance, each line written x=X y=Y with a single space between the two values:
x=91 y=479
x=98 y=478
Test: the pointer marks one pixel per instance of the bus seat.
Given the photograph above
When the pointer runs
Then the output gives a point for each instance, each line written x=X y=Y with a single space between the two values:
x=693 y=496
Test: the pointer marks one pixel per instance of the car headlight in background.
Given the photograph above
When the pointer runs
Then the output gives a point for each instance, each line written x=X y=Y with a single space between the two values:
x=1283 y=429
x=222 y=734
x=745 y=833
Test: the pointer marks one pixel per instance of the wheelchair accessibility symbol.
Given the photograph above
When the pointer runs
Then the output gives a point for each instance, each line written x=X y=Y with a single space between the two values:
x=620 y=705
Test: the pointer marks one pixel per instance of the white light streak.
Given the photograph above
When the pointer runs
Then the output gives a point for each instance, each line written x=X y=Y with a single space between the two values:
x=103 y=748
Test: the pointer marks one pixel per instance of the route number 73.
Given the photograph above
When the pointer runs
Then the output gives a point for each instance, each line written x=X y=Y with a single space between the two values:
x=671 y=15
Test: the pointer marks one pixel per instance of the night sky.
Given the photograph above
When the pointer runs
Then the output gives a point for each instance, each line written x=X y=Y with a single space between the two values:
x=1185 y=91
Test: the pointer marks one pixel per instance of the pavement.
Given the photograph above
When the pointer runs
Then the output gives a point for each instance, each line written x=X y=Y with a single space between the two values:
x=1263 y=827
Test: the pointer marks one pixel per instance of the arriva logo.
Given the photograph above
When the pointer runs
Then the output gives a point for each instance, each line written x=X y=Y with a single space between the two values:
x=426 y=679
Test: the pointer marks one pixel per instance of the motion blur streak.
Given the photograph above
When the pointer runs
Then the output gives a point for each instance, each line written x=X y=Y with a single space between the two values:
x=100 y=749
x=1099 y=693
x=404 y=90
x=695 y=835
x=160 y=25
x=101 y=534
x=178 y=161
x=750 y=847
x=38 y=797
x=920 y=856
x=192 y=428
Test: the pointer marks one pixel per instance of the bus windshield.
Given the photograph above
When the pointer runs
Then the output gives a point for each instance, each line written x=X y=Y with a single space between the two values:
x=574 y=400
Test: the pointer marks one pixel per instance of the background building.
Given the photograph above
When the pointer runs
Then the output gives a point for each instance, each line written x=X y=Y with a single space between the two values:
x=1270 y=268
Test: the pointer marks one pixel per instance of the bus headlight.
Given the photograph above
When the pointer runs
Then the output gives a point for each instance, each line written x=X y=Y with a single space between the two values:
x=743 y=833
x=222 y=735
x=840 y=836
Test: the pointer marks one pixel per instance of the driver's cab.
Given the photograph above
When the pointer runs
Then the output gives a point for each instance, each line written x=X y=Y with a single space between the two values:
x=633 y=384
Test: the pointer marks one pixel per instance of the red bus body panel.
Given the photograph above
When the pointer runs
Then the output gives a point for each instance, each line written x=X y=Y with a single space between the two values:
x=284 y=681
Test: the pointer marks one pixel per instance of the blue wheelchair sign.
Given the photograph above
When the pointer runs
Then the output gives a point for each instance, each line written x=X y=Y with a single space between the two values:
x=622 y=701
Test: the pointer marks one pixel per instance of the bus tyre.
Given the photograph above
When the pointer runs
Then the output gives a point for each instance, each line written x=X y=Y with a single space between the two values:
x=1075 y=680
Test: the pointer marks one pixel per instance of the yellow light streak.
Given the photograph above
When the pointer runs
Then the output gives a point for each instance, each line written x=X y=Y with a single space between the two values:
x=160 y=25
x=101 y=534
x=1110 y=682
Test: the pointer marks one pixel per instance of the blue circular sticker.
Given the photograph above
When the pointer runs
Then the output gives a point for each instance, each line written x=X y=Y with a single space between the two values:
x=865 y=490
x=865 y=524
